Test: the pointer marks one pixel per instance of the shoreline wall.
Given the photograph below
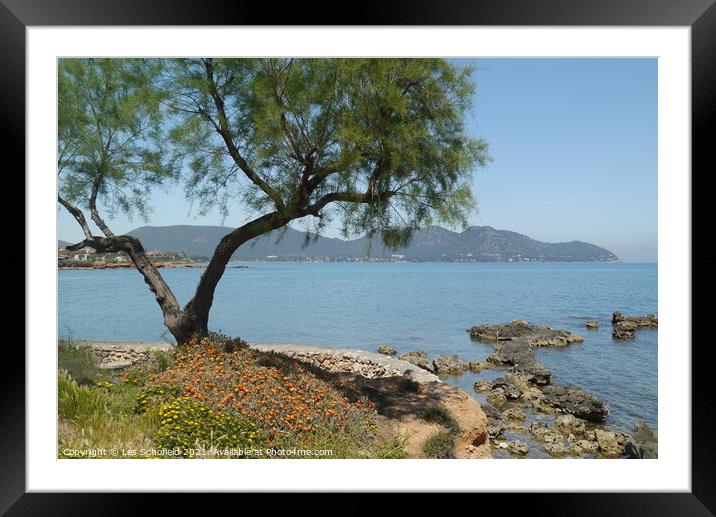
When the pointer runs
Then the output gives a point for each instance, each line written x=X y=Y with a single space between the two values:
x=368 y=364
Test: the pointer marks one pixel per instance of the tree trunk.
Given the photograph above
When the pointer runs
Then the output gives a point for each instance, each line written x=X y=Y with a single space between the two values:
x=194 y=318
x=191 y=321
x=185 y=327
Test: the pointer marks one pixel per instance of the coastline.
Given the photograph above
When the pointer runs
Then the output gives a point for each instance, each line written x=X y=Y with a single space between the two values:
x=377 y=376
x=525 y=411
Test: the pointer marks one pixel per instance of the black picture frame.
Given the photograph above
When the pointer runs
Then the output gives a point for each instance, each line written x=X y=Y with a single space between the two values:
x=699 y=15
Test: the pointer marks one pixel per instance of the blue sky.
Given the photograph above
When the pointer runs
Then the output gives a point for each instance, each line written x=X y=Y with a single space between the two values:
x=574 y=147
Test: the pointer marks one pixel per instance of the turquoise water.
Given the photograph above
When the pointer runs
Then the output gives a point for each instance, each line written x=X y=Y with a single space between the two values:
x=410 y=306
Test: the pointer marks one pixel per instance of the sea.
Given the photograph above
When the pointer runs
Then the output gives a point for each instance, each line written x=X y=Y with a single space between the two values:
x=410 y=306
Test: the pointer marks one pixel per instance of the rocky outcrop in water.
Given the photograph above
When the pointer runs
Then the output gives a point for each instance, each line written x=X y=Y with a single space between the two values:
x=649 y=320
x=625 y=327
x=534 y=335
x=643 y=443
x=530 y=383
x=495 y=422
x=621 y=333
x=419 y=358
x=508 y=386
x=514 y=344
x=575 y=401
x=449 y=364
x=386 y=350
x=592 y=325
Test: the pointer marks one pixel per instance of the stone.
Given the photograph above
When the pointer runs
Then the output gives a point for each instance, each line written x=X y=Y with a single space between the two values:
x=513 y=414
x=482 y=385
x=497 y=397
x=607 y=442
x=514 y=343
x=570 y=424
x=478 y=366
x=643 y=444
x=509 y=387
x=648 y=320
x=387 y=350
x=534 y=372
x=555 y=449
x=419 y=358
x=625 y=327
x=531 y=393
x=623 y=334
x=575 y=401
x=539 y=430
x=580 y=447
x=535 y=335
x=117 y=364
x=495 y=424
x=592 y=325
x=518 y=447
x=449 y=364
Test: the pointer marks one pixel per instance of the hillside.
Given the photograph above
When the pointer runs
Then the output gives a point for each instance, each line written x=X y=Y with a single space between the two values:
x=476 y=244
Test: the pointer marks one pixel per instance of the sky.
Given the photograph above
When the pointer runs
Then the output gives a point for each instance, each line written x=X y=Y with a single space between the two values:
x=574 y=156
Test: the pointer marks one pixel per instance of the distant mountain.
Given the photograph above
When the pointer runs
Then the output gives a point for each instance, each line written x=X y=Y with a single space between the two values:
x=476 y=244
x=63 y=244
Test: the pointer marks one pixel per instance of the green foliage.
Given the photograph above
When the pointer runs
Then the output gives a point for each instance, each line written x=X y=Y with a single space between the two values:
x=98 y=417
x=78 y=361
x=109 y=133
x=149 y=394
x=386 y=135
x=393 y=449
x=440 y=446
x=187 y=423
x=140 y=373
x=438 y=414
x=160 y=361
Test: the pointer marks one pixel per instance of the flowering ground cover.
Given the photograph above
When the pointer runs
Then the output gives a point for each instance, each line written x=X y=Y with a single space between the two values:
x=218 y=393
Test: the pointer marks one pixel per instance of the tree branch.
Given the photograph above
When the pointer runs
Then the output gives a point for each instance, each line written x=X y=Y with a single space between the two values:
x=93 y=206
x=225 y=133
x=78 y=215
x=203 y=298
x=132 y=247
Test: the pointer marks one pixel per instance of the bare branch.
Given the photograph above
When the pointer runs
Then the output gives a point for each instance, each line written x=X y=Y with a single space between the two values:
x=78 y=215
x=132 y=247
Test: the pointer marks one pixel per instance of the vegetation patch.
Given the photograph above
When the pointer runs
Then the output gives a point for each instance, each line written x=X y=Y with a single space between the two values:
x=100 y=417
x=281 y=396
x=440 y=446
x=215 y=394
x=192 y=425
x=78 y=361
x=438 y=414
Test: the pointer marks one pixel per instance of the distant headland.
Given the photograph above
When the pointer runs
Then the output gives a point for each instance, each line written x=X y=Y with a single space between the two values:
x=434 y=244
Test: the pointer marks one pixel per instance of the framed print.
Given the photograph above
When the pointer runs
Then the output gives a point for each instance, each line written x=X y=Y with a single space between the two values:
x=432 y=238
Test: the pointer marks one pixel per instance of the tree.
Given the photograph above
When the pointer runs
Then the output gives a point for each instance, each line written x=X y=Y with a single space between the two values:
x=379 y=144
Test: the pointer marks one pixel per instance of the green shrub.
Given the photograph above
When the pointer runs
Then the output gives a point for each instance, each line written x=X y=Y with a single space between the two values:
x=440 y=446
x=160 y=361
x=390 y=450
x=438 y=414
x=163 y=392
x=187 y=423
x=140 y=373
x=78 y=361
x=94 y=416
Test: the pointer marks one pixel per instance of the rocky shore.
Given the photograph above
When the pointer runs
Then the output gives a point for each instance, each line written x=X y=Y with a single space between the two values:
x=625 y=327
x=403 y=393
x=566 y=420
x=523 y=412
